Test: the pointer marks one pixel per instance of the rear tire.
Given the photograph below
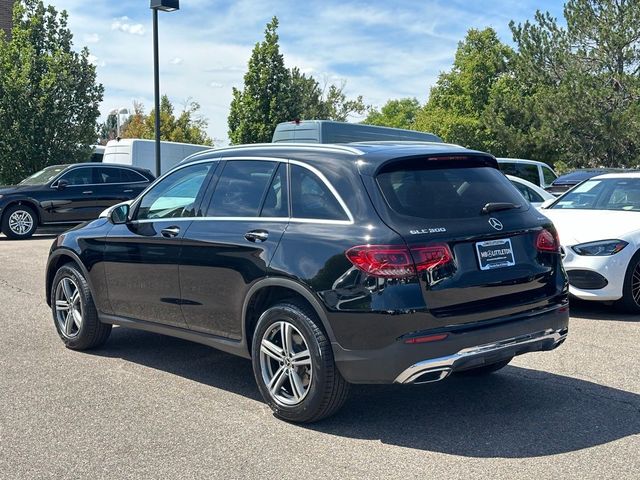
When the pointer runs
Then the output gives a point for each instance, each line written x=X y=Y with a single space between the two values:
x=485 y=369
x=19 y=222
x=298 y=387
x=74 y=313
x=630 y=301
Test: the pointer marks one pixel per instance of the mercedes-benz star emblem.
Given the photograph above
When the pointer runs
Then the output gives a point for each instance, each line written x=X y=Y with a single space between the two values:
x=495 y=223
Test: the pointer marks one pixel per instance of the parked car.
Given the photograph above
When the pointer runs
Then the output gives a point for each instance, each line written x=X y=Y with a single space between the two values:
x=538 y=173
x=569 y=180
x=328 y=131
x=324 y=264
x=65 y=195
x=141 y=153
x=599 y=226
x=535 y=195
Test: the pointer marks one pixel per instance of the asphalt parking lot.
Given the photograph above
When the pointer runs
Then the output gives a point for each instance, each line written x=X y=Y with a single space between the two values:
x=148 y=406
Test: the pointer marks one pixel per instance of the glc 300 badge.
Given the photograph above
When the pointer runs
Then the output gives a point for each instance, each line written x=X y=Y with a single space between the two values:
x=495 y=223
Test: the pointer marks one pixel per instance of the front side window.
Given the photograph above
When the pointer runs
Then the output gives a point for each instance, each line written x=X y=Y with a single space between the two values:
x=548 y=175
x=175 y=195
x=79 y=176
x=528 y=172
x=311 y=198
x=241 y=189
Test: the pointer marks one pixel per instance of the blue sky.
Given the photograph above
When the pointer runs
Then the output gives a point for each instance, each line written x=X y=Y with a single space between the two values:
x=381 y=49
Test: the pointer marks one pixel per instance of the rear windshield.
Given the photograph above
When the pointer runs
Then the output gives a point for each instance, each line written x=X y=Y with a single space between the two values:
x=441 y=189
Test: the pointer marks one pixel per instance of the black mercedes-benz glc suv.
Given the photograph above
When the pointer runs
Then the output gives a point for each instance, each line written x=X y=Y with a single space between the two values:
x=60 y=196
x=325 y=265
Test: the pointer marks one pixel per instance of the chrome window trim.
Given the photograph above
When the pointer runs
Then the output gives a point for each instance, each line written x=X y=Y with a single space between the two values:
x=246 y=219
x=97 y=165
x=314 y=170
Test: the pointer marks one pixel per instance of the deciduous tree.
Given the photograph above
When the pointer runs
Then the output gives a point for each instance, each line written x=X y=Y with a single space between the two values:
x=49 y=96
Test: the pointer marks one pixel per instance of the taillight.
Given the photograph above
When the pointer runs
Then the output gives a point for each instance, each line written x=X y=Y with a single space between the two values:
x=392 y=261
x=547 y=242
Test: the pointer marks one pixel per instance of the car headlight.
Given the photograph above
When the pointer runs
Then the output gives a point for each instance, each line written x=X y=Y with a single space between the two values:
x=601 y=248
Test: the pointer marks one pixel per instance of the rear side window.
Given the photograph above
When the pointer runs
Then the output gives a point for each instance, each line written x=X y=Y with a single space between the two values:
x=441 y=189
x=117 y=175
x=527 y=192
x=241 y=188
x=79 y=176
x=276 y=204
x=311 y=198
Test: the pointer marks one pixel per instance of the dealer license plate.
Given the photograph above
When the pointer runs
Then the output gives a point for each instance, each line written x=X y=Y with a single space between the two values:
x=495 y=254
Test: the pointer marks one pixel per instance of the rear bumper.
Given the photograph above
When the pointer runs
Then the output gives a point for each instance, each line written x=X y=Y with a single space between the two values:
x=469 y=348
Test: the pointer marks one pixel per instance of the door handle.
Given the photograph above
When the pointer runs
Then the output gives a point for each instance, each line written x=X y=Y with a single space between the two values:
x=256 y=235
x=170 y=232
x=87 y=192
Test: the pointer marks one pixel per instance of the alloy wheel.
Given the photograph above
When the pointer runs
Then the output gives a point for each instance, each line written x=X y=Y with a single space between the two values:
x=285 y=362
x=20 y=222
x=68 y=307
x=635 y=284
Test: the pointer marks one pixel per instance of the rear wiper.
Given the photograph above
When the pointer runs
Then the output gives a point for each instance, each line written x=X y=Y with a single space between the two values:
x=497 y=206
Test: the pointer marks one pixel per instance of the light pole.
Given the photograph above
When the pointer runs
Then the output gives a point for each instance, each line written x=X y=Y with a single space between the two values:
x=165 y=6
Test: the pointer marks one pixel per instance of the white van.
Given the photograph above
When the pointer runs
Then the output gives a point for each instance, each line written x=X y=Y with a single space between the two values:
x=142 y=153
x=538 y=173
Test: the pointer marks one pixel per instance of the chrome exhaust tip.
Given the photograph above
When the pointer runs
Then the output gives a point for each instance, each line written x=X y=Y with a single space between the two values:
x=428 y=376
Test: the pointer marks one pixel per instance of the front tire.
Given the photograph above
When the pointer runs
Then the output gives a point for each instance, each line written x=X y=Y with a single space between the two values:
x=74 y=313
x=293 y=365
x=630 y=301
x=19 y=222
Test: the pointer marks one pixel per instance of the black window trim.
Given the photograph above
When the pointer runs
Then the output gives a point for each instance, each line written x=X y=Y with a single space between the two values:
x=68 y=170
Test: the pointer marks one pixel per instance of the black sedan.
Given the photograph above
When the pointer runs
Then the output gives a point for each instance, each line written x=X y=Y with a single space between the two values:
x=66 y=195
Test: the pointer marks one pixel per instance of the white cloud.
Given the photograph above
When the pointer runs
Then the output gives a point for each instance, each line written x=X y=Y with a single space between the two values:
x=92 y=38
x=124 y=25
x=216 y=85
x=176 y=61
x=96 y=61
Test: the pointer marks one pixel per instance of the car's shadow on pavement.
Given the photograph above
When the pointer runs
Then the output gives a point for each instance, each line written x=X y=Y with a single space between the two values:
x=600 y=311
x=45 y=236
x=517 y=413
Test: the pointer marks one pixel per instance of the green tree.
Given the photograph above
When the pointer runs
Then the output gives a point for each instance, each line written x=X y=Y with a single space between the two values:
x=399 y=113
x=187 y=127
x=262 y=103
x=108 y=130
x=458 y=99
x=273 y=94
x=49 y=97
x=579 y=86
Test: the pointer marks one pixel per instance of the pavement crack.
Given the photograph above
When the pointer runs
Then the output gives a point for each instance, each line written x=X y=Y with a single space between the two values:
x=5 y=284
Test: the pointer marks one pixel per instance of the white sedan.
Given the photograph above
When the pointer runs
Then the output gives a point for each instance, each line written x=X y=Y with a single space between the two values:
x=598 y=223
x=535 y=195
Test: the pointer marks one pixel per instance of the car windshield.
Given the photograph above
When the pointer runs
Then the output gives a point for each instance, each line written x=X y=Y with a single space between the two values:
x=603 y=194
x=44 y=176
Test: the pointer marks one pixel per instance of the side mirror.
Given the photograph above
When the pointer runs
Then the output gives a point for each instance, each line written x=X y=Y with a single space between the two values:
x=120 y=214
x=547 y=203
x=62 y=184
